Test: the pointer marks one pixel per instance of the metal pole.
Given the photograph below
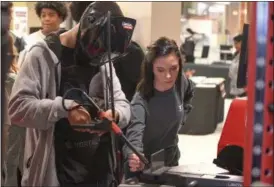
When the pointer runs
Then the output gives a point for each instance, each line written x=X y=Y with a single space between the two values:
x=259 y=139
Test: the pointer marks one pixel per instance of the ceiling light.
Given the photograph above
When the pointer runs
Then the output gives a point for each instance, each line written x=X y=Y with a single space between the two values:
x=216 y=9
x=224 y=3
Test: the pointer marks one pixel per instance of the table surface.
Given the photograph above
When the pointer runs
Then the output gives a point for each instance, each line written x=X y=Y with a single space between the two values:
x=202 y=168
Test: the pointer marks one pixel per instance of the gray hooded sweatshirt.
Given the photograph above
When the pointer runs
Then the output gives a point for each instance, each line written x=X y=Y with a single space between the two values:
x=34 y=105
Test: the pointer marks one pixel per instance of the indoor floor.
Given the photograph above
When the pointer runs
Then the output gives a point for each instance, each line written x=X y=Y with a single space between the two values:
x=201 y=149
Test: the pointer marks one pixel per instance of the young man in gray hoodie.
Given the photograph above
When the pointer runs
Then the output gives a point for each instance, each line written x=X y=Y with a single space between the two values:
x=55 y=153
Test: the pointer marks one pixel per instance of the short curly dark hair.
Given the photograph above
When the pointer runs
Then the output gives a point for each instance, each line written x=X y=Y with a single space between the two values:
x=77 y=8
x=59 y=7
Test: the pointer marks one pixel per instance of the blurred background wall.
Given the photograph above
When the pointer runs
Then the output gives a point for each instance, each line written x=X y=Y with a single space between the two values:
x=155 y=19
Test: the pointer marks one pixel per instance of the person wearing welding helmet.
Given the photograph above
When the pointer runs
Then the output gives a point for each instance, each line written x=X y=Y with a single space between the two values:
x=55 y=153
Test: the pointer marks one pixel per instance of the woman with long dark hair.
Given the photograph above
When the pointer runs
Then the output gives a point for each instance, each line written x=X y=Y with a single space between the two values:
x=160 y=105
x=234 y=67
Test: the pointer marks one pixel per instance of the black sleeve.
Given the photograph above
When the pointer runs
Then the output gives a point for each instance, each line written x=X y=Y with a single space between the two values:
x=131 y=64
x=128 y=69
x=135 y=130
x=188 y=96
x=189 y=93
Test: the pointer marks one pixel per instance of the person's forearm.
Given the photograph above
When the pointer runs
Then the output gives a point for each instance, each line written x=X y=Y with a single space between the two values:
x=135 y=130
x=34 y=113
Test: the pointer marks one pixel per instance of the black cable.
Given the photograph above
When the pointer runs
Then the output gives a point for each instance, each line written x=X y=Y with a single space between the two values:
x=115 y=59
x=110 y=64
x=77 y=106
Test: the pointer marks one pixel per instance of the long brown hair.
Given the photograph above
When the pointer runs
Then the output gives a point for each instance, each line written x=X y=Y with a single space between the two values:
x=13 y=54
x=161 y=47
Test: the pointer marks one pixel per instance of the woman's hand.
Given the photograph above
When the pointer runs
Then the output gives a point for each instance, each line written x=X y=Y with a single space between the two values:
x=135 y=164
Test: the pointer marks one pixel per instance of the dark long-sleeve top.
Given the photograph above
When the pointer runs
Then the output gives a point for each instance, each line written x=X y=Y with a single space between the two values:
x=155 y=123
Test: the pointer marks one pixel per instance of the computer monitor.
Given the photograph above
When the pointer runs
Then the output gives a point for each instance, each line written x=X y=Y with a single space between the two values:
x=243 y=60
x=34 y=29
x=226 y=53
x=226 y=47
x=205 y=51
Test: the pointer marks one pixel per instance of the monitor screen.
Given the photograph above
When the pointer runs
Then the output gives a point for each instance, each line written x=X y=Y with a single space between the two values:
x=34 y=29
x=226 y=47
x=205 y=51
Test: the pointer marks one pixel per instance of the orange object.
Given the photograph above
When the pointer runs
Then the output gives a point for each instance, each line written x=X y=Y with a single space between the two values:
x=234 y=128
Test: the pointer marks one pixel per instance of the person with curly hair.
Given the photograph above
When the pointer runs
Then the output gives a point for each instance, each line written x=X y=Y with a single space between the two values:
x=51 y=14
x=56 y=152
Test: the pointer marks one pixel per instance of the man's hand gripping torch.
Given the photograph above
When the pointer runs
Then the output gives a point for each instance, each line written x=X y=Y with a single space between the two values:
x=116 y=129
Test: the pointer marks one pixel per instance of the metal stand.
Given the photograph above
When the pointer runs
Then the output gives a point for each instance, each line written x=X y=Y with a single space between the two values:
x=259 y=141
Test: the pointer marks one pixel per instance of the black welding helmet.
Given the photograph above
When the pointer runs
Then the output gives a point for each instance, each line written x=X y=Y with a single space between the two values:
x=92 y=39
